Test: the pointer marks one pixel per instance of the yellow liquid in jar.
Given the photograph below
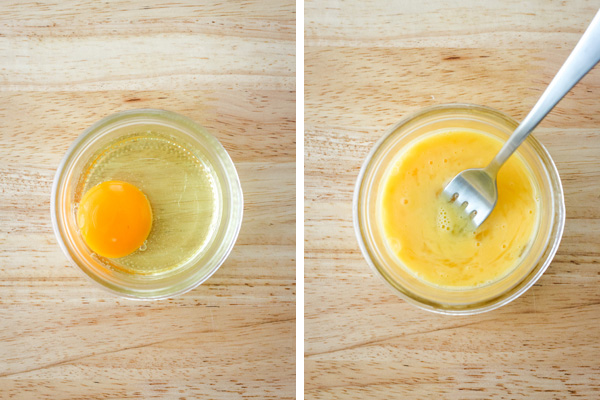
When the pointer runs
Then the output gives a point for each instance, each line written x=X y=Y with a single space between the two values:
x=181 y=187
x=429 y=236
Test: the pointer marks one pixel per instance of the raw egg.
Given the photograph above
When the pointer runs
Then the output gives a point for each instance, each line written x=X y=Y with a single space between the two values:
x=114 y=218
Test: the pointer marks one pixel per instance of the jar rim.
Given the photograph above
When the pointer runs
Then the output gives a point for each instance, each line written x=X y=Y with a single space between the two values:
x=181 y=124
x=557 y=200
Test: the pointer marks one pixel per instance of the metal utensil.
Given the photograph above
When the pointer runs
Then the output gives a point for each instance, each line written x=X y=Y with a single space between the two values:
x=474 y=190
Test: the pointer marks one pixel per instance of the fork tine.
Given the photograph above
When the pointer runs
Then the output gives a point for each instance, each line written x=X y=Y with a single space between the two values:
x=474 y=192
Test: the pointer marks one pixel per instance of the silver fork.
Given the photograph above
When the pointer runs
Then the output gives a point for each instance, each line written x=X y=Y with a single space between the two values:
x=474 y=190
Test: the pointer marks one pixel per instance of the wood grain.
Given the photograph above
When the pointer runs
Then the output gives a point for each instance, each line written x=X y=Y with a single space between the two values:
x=228 y=66
x=367 y=64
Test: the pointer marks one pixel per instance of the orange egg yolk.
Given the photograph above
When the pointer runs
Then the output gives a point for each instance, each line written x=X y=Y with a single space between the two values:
x=114 y=218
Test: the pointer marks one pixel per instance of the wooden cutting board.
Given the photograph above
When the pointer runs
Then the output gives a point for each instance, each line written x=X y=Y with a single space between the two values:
x=368 y=64
x=228 y=66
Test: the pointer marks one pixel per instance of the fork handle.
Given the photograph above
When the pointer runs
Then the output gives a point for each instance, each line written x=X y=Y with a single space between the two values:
x=581 y=60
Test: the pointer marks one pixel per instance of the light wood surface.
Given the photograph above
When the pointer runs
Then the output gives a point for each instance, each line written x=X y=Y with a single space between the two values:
x=367 y=64
x=230 y=67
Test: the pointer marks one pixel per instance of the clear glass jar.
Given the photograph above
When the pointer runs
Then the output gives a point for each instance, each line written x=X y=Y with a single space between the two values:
x=198 y=141
x=386 y=265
